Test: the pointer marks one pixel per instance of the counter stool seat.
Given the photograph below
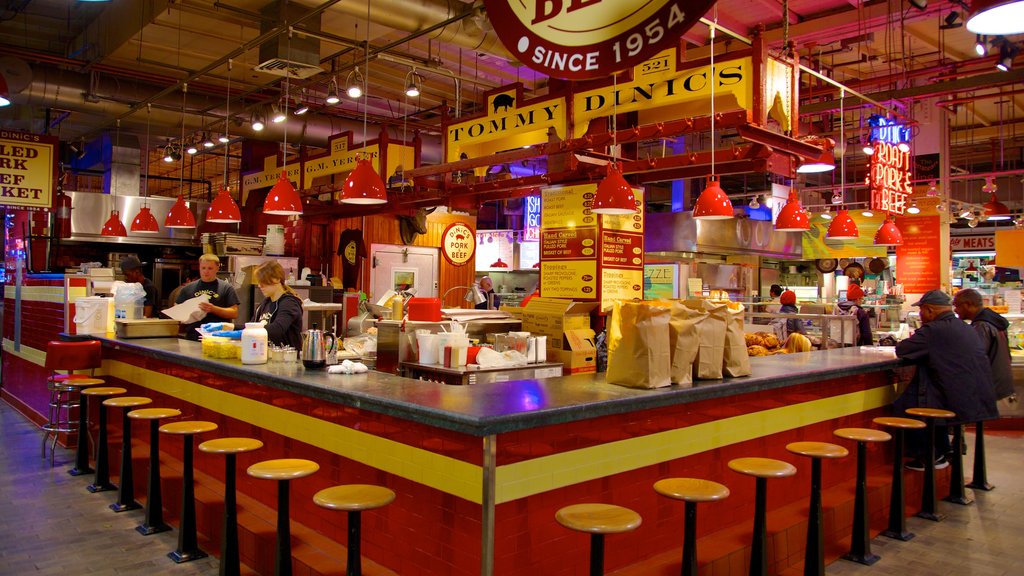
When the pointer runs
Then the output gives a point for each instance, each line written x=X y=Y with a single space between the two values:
x=230 y=448
x=761 y=469
x=814 y=553
x=899 y=423
x=282 y=471
x=598 y=520
x=929 y=504
x=101 y=481
x=931 y=412
x=80 y=382
x=691 y=491
x=818 y=449
x=897 y=507
x=188 y=544
x=354 y=499
x=154 y=520
x=126 y=485
x=860 y=540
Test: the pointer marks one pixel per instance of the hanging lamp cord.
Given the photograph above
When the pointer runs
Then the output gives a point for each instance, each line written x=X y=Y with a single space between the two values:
x=712 y=30
x=227 y=126
x=366 y=77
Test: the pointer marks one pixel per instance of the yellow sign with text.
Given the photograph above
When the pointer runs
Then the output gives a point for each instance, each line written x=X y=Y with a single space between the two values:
x=815 y=245
x=628 y=223
x=567 y=206
x=619 y=284
x=268 y=176
x=506 y=126
x=27 y=170
x=574 y=279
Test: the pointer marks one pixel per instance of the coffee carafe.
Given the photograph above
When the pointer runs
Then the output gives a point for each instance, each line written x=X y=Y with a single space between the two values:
x=314 y=347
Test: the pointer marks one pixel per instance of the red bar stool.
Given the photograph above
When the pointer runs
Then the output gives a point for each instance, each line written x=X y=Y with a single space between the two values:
x=82 y=445
x=814 y=554
x=188 y=544
x=101 y=481
x=126 y=485
x=66 y=356
x=154 y=521
x=691 y=491
x=598 y=520
x=860 y=541
x=897 y=506
x=283 y=471
x=354 y=498
x=761 y=469
x=928 y=501
x=230 y=448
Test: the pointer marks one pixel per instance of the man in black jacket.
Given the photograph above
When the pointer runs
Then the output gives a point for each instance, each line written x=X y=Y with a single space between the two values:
x=952 y=373
x=991 y=328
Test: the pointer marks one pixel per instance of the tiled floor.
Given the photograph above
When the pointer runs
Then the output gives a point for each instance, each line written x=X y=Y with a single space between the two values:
x=49 y=524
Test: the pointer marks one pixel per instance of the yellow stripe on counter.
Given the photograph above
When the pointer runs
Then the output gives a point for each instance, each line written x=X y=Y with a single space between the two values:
x=530 y=477
x=37 y=293
x=33 y=355
x=422 y=466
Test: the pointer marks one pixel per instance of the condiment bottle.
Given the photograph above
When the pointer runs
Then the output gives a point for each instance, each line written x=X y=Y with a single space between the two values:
x=254 y=343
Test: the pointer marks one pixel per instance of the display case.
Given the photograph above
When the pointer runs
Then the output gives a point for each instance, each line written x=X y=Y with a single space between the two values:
x=834 y=330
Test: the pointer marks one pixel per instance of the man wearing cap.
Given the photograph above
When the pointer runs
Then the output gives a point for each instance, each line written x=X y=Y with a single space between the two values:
x=991 y=328
x=952 y=372
x=854 y=296
x=131 y=267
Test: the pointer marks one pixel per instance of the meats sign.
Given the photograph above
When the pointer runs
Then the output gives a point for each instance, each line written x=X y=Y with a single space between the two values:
x=583 y=39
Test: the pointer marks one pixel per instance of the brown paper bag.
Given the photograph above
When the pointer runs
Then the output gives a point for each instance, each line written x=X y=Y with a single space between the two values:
x=711 y=339
x=638 y=346
x=683 y=341
x=736 y=361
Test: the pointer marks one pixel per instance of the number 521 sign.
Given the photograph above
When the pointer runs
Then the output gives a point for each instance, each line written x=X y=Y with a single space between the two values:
x=582 y=39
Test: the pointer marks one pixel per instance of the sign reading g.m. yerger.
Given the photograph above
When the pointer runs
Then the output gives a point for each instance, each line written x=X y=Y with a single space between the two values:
x=28 y=170
x=582 y=39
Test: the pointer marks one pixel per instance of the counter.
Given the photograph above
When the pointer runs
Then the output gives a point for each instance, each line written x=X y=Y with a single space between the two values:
x=473 y=375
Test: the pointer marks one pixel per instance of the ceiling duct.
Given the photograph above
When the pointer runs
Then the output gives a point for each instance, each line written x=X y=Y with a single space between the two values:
x=299 y=53
x=121 y=159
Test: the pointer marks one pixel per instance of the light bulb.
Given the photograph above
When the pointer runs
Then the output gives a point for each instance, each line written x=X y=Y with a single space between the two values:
x=869 y=150
x=913 y=209
x=354 y=92
x=903 y=146
x=224 y=139
x=867 y=213
x=826 y=215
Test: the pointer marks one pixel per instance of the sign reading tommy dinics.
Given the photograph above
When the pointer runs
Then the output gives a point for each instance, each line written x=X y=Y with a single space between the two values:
x=581 y=39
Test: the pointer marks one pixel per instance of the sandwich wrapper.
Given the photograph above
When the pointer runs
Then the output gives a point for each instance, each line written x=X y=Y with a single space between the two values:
x=188 y=311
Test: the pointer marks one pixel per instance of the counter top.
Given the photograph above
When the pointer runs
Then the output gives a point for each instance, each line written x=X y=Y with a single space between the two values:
x=515 y=405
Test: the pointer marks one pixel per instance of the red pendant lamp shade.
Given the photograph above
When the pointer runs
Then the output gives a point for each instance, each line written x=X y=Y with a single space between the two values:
x=180 y=216
x=363 y=185
x=792 y=217
x=713 y=204
x=499 y=264
x=614 y=195
x=223 y=209
x=113 y=226
x=145 y=222
x=283 y=200
x=842 y=227
x=996 y=210
x=888 y=234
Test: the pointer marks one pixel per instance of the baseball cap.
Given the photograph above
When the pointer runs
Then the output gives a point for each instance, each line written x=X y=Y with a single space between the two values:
x=854 y=292
x=131 y=262
x=936 y=297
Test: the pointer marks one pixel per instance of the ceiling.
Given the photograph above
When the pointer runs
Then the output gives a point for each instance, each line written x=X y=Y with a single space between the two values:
x=82 y=69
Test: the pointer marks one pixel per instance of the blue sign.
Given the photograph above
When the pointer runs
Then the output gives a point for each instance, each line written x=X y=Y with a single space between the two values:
x=531 y=222
x=887 y=130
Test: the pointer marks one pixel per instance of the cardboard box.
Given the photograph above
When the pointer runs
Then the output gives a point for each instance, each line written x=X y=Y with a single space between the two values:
x=553 y=317
x=578 y=354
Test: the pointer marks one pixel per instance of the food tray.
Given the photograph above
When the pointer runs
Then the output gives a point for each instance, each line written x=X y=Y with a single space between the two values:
x=146 y=328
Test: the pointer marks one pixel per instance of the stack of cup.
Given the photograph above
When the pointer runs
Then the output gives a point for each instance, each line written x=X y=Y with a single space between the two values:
x=426 y=343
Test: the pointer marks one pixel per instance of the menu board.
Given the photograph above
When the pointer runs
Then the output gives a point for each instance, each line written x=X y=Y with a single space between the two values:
x=917 y=257
x=569 y=279
x=622 y=255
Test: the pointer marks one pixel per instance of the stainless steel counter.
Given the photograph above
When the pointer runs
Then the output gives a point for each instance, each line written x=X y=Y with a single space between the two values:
x=466 y=375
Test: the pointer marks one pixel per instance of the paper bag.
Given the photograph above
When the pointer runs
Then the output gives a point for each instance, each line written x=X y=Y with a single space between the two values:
x=711 y=339
x=736 y=361
x=638 y=346
x=683 y=340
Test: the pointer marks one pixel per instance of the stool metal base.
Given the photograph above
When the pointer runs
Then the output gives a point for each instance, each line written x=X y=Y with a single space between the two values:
x=933 y=516
x=150 y=530
x=961 y=500
x=867 y=559
x=902 y=536
x=94 y=488
x=182 y=557
x=986 y=486
x=120 y=507
x=81 y=471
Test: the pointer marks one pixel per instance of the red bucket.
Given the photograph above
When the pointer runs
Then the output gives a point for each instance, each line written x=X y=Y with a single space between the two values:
x=425 y=309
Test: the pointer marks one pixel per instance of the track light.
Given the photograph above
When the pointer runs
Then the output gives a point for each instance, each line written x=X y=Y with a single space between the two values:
x=869 y=150
x=903 y=147
x=913 y=208
x=257 y=120
x=171 y=152
x=952 y=20
x=867 y=213
x=1007 y=52
x=412 y=84
x=354 y=83
x=979 y=45
x=279 y=113
x=301 y=104
x=208 y=141
x=332 y=91
x=192 y=148
x=223 y=139
x=919 y=4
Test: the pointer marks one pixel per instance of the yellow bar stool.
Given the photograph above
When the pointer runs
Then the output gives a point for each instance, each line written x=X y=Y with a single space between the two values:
x=126 y=486
x=354 y=498
x=598 y=520
x=101 y=481
x=283 y=471
x=82 y=447
x=188 y=545
x=230 y=448
x=860 y=541
x=928 y=499
x=691 y=491
x=154 y=521
x=897 y=506
x=814 y=554
x=761 y=469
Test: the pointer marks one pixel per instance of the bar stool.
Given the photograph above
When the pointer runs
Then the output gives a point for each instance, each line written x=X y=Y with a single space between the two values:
x=598 y=520
x=897 y=506
x=188 y=545
x=283 y=470
x=761 y=469
x=67 y=356
x=979 y=480
x=957 y=492
x=230 y=448
x=928 y=502
x=691 y=491
x=82 y=445
x=101 y=481
x=354 y=498
x=814 y=555
x=860 y=541
x=154 y=521
x=126 y=488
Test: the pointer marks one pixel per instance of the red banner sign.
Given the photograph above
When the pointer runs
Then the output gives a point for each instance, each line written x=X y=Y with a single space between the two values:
x=889 y=178
x=917 y=260
x=568 y=244
x=622 y=249
x=458 y=244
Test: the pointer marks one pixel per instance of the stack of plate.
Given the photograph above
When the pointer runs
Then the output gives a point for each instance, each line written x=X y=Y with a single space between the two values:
x=227 y=244
x=274 y=245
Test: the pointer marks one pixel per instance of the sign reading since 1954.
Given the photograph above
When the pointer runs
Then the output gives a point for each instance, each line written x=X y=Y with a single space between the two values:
x=28 y=167
x=889 y=178
x=458 y=244
x=581 y=39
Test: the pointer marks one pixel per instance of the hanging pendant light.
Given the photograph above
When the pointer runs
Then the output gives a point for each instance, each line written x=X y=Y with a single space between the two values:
x=842 y=227
x=363 y=185
x=614 y=195
x=223 y=209
x=713 y=204
x=888 y=234
x=283 y=200
x=145 y=222
x=996 y=17
x=113 y=226
x=996 y=210
x=792 y=217
x=180 y=216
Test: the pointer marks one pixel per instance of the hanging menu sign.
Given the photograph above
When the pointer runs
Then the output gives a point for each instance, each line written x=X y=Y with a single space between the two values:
x=917 y=256
x=622 y=255
x=889 y=178
x=568 y=243
x=28 y=170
